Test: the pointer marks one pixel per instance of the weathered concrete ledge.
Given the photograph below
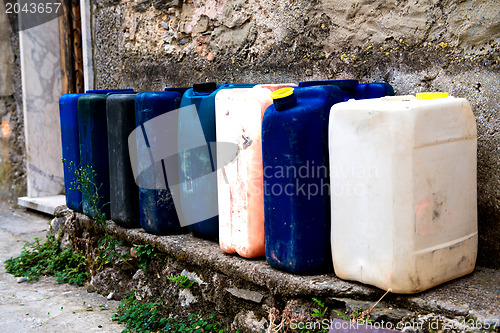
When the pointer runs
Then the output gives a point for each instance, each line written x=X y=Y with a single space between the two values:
x=207 y=254
x=251 y=287
x=477 y=294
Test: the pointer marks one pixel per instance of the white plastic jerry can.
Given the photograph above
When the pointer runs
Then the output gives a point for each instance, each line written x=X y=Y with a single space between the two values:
x=238 y=114
x=403 y=191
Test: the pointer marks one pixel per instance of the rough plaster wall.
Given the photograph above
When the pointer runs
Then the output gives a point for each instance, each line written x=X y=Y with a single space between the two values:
x=416 y=46
x=12 y=155
x=5 y=53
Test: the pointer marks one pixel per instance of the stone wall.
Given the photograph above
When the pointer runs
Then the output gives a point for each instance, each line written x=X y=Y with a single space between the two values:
x=243 y=293
x=439 y=45
x=12 y=152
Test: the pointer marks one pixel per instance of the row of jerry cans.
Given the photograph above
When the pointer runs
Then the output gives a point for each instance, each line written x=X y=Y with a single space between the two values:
x=95 y=129
x=273 y=197
x=85 y=142
x=96 y=126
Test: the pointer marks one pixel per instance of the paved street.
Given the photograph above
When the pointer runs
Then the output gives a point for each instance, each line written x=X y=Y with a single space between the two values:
x=45 y=305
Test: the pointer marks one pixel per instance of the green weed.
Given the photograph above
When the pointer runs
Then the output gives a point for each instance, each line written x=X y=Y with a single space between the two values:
x=38 y=259
x=342 y=315
x=145 y=253
x=182 y=281
x=321 y=312
x=85 y=183
x=150 y=317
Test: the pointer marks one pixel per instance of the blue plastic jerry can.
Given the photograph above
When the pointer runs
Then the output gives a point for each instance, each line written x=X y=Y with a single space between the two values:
x=68 y=114
x=197 y=159
x=296 y=178
x=156 y=142
x=352 y=89
x=373 y=90
x=348 y=87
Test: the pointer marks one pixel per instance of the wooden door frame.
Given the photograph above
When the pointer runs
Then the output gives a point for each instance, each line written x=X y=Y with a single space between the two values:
x=70 y=35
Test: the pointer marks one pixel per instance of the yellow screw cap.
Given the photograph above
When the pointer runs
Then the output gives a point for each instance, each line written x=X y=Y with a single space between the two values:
x=281 y=93
x=431 y=95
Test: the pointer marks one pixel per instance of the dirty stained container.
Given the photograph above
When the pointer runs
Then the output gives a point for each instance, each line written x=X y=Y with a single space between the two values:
x=239 y=115
x=156 y=120
x=403 y=180
x=124 y=193
x=296 y=178
x=93 y=133
x=70 y=141
x=197 y=159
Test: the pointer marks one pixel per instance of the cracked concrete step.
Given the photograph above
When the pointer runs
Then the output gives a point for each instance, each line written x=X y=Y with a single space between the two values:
x=475 y=295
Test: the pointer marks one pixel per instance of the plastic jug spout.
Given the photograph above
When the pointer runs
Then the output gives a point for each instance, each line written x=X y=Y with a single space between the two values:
x=284 y=99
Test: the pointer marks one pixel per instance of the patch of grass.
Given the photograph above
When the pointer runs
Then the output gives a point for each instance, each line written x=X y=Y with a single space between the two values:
x=149 y=317
x=38 y=259
x=182 y=281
